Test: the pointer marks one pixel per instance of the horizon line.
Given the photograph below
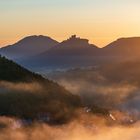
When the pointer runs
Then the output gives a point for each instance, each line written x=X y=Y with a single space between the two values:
x=60 y=41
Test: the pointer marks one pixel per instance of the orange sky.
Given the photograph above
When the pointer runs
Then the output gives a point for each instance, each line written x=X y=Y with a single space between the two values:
x=101 y=21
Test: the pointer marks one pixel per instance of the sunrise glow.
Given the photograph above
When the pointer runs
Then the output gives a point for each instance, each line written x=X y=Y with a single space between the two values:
x=101 y=21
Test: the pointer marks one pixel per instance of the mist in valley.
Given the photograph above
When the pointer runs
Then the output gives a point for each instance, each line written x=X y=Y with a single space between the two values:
x=84 y=124
x=97 y=109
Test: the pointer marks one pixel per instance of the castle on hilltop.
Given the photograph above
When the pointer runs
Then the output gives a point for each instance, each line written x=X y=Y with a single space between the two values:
x=75 y=38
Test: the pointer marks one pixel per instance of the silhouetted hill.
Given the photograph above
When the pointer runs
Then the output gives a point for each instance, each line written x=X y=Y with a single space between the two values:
x=69 y=53
x=28 y=46
x=73 y=52
x=74 y=46
x=77 y=52
x=121 y=50
x=128 y=47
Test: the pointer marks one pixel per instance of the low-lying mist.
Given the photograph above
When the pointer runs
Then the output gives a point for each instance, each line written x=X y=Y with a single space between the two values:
x=114 y=86
x=101 y=107
x=35 y=101
x=123 y=97
x=83 y=123
x=89 y=129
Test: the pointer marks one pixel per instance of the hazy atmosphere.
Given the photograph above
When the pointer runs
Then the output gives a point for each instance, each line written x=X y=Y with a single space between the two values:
x=69 y=70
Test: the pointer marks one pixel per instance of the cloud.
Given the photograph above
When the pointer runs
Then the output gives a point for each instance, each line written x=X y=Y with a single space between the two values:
x=72 y=131
x=24 y=87
x=95 y=91
x=86 y=125
x=121 y=96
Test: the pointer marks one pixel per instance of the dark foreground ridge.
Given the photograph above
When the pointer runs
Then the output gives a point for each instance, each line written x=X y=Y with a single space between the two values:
x=29 y=96
x=10 y=71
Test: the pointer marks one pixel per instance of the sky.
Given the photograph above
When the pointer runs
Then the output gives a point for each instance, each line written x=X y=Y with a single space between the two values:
x=100 y=21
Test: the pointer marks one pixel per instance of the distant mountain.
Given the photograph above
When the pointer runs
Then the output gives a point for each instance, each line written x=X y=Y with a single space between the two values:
x=128 y=47
x=69 y=53
x=28 y=46
x=74 y=46
x=40 y=53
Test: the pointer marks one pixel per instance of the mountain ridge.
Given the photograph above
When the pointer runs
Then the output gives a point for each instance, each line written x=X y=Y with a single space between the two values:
x=78 y=52
x=69 y=53
x=28 y=46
